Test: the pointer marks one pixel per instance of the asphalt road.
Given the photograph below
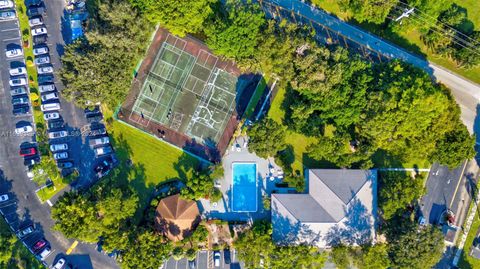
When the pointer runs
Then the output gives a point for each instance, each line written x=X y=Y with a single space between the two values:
x=466 y=93
x=24 y=208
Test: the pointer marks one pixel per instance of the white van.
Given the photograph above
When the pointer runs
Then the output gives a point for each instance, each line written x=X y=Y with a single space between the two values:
x=50 y=107
x=44 y=254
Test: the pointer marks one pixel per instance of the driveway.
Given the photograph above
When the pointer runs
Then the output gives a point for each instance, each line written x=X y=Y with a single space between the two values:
x=204 y=260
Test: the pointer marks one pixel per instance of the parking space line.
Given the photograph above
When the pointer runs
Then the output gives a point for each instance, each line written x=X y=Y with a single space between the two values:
x=11 y=29
x=72 y=247
x=11 y=39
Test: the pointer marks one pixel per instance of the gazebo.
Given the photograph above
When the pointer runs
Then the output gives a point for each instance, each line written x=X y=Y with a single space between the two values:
x=176 y=218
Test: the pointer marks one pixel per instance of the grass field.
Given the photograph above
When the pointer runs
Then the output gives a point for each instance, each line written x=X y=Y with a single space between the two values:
x=153 y=161
x=411 y=40
x=257 y=94
x=466 y=261
x=14 y=251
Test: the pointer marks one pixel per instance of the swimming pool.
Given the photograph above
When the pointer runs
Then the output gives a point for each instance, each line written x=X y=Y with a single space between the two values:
x=244 y=187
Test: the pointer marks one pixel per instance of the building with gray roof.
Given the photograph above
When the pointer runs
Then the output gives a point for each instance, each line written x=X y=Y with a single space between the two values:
x=339 y=206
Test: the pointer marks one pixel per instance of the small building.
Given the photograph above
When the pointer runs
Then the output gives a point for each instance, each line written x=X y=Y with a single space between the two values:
x=339 y=207
x=176 y=218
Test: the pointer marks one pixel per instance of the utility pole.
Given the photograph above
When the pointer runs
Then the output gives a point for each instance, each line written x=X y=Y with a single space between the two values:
x=405 y=14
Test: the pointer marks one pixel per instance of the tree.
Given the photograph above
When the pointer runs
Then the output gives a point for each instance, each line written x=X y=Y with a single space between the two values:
x=236 y=32
x=468 y=57
x=453 y=16
x=455 y=147
x=178 y=253
x=374 y=11
x=416 y=248
x=374 y=257
x=340 y=256
x=99 y=67
x=146 y=250
x=179 y=17
x=200 y=185
x=266 y=201
x=266 y=138
x=397 y=191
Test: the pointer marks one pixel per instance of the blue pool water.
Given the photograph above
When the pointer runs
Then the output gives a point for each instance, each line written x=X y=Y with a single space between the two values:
x=244 y=187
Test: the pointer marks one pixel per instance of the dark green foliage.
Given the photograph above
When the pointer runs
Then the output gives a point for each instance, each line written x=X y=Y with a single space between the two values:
x=397 y=191
x=416 y=248
x=235 y=32
x=373 y=257
x=454 y=147
x=179 y=17
x=200 y=185
x=256 y=246
x=147 y=250
x=266 y=138
x=375 y=11
x=99 y=67
x=340 y=256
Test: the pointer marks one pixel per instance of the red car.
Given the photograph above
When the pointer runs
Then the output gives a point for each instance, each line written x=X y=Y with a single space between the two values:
x=28 y=152
x=39 y=245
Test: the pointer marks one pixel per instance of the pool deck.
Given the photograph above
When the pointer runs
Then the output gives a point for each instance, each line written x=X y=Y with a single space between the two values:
x=265 y=186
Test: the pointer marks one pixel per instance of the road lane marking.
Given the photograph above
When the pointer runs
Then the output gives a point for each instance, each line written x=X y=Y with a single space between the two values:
x=72 y=247
x=49 y=203
x=458 y=184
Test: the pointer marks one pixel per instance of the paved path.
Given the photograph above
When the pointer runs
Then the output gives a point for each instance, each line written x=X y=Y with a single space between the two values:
x=467 y=93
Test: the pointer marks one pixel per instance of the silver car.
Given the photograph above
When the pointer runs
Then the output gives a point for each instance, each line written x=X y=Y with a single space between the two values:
x=39 y=31
x=58 y=147
x=51 y=116
x=18 y=71
x=45 y=69
x=7 y=15
x=57 y=134
x=50 y=96
x=40 y=50
x=60 y=155
x=46 y=88
x=18 y=91
x=6 y=4
x=18 y=82
x=37 y=20
x=42 y=60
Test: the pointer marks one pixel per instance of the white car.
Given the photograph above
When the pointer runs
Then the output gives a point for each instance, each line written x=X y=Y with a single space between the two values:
x=18 y=71
x=42 y=60
x=40 y=50
x=60 y=155
x=18 y=91
x=23 y=130
x=58 y=147
x=51 y=116
x=7 y=15
x=46 y=88
x=49 y=96
x=45 y=69
x=216 y=258
x=57 y=134
x=3 y=197
x=59 y=264
x=39 y=31
x=37 y=20
x=18 y=82
x=14 y=53
x=6 y=4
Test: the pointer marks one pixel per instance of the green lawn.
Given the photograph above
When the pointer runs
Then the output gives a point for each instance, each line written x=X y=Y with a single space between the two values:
x=153 y=161
x=257 y=94
x=13 y=254
x=466 y=261
x=411 y=40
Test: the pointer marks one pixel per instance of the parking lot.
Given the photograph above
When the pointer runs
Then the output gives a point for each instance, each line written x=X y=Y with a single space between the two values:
x=204 y=260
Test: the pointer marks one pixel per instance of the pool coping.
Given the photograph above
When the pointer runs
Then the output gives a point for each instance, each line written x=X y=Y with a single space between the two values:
x=256 y=186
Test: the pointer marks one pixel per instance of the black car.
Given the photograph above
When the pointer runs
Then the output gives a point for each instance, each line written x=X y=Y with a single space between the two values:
x=55 y=124
x=31 y=160
x=98 y=130
x=64 y=165
x=94 y=118
x=20 y=110
x=46 y=79
x=191 y=264
x=40 y=39
x=35 y=10
x=226 y=256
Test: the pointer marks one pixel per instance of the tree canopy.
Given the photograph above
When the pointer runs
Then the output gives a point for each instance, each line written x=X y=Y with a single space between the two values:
x=266 y=138
x=147 y=250
x=375 y=11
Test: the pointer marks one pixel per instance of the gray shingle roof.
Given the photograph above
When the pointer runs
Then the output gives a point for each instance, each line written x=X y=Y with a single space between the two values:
x=304 y=208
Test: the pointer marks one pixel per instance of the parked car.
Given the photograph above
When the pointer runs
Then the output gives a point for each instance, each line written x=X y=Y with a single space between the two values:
x=20 y=110
x=191 y=264
x=31 y=160
x=103 y=168
x=35 y=11
x=25 y=231
x=3 y=197
x=27 y=152
x=46 y=88
x=55 y=124
x=39 y=50
x=99 y=141
x=39 y=31
x=44 y=253
x=94 y=110
x=103 y=151
x=216 y=258
x=57 y=134
x=43 y=59
x=59 y=264
x=60 y=155
x=51 y=116
x=45 y=79
x=45 y=69
x=14 y=52
x=99 y=131
x=6 y=4
x=39 y=39
x=226 y=256
x=58 y=147
x=18 y=90
x=21 y=81
x=23 y=130
x=7 y=15
x=49 y=96
x=22 y=100
x=39 y=245
x=50 y=107
x=64 y=165
x=35 y=21
x=94 y=118
x=18 y=71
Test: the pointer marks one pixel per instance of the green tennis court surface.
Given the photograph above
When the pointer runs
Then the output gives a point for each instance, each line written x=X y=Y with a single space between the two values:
x=187 y=93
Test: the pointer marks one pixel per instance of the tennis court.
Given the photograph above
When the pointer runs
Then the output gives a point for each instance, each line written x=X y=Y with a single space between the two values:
x=187 y=93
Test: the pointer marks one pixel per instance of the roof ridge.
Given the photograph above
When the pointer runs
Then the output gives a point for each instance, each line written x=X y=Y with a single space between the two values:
x=326 y=185
x=293 y=215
